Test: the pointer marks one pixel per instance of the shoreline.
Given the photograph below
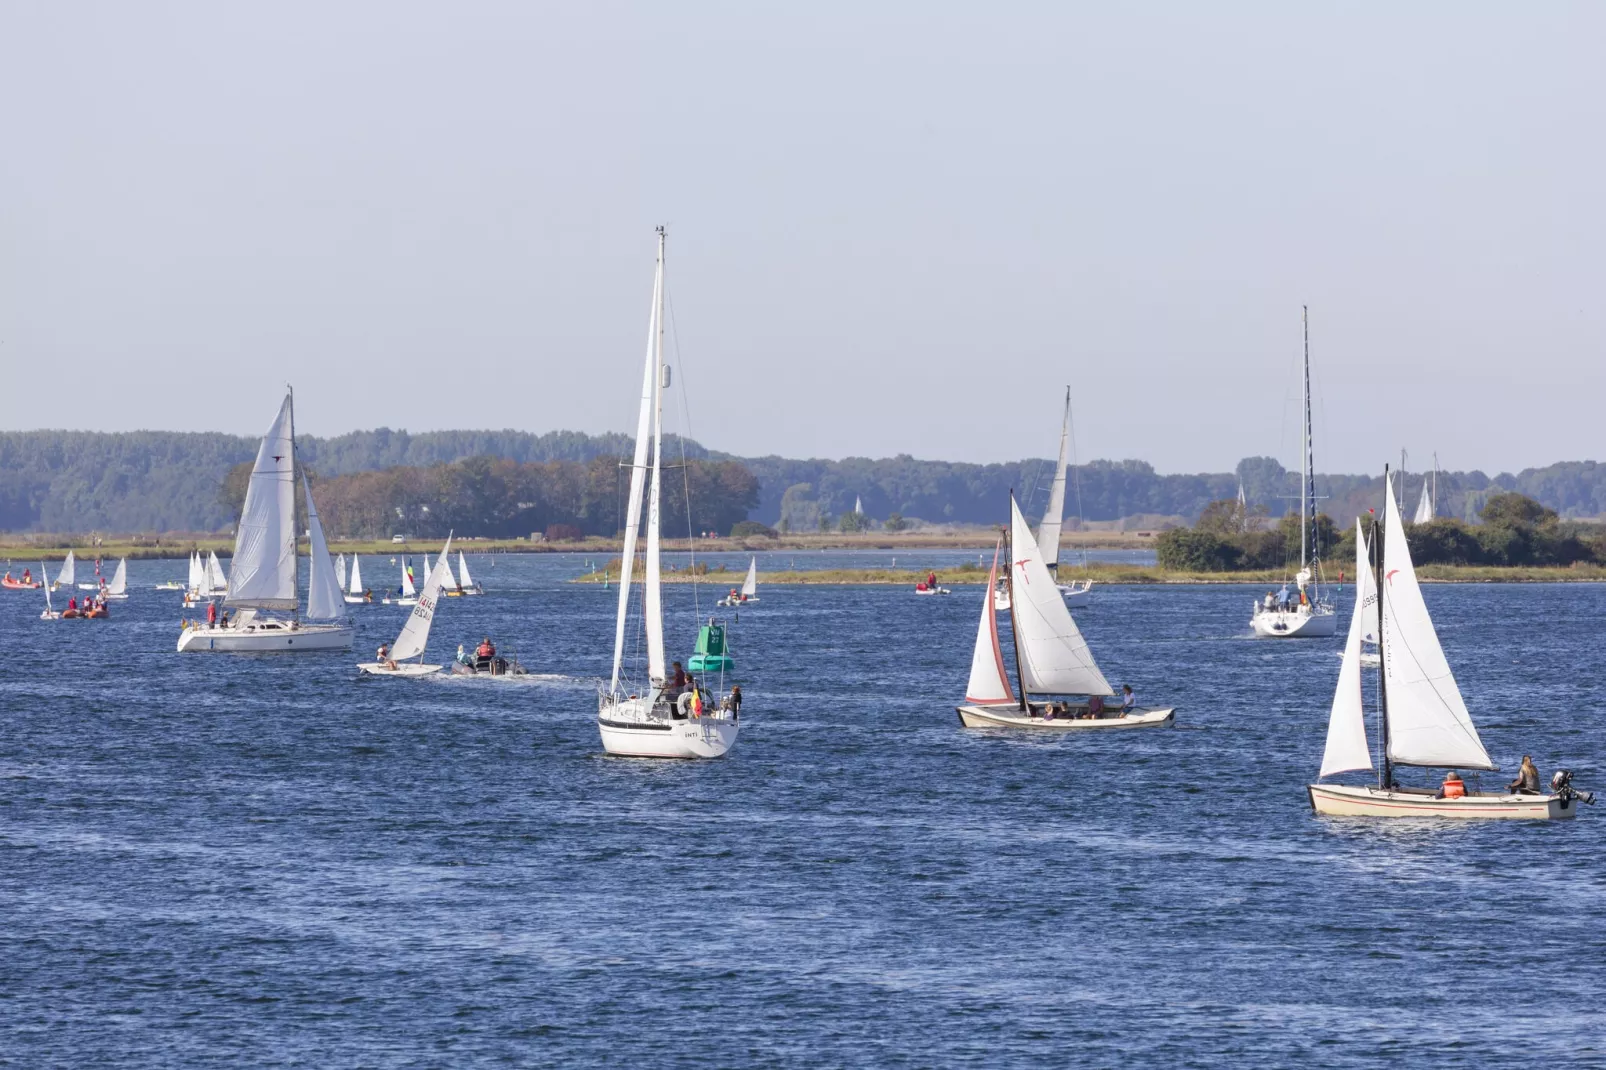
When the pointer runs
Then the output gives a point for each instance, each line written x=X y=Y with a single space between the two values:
x=1110 y=575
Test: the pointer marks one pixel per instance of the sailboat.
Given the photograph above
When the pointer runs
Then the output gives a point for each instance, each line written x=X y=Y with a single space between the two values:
x=355 y=595
x=1426 y=505
x=408 y=595
x=414 y=635
x=68 y=575
x=51 y=612
x=265 y=565
x=648 y=718
x=1423 y=720
x=1077 y=592
x=118 y=587
x=1051 y=657
x=451 y=589
x=217 y=584
x=195 y=585
x=467 y=581
x=340 y=571
x=1310 y=615
x=749 y=592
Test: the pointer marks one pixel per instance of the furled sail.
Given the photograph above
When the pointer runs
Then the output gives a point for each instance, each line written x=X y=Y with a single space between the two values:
x=1428 y=723
x=265 y=543
x=324 y=598
x=1048 y=532
x=415 y=633
x=119 y=583
x=750 y=585
x=1347 y=748
x=1055 y=659
x=989 y=682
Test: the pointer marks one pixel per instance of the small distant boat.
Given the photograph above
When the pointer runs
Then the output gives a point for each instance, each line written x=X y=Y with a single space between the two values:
x=68 y=576
x=1077 y=592
x=118 y=587
x=50 y=613
x=749 y=592
x=468 y=585
x=451 y=589
x=340 y=570
x=1423 y=720
x=921 y=588
x=355 y=594
x=408 y=595
x=414 y=635
x=26 y=583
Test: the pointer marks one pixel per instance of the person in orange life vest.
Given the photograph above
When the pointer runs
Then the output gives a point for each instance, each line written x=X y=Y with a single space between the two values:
x=486 y=649
x=1453 y=787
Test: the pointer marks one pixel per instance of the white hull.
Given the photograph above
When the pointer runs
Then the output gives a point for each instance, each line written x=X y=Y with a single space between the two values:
x=265 y=636
x=937 y=590
x=1340 y=800
x=405 y=668
x=401 y=601
x=633 y=728
x=1077 y=595
x=356 y=600
x=168 y=587
x=1010 y=716
x=1000 y=602
x=736 y=603
x=1295 y=623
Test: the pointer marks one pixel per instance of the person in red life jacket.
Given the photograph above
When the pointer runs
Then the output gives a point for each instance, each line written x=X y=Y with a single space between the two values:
x=931 y=581
x=486 y=649
x=27 y=575
x=211 y=614
x=72 y=604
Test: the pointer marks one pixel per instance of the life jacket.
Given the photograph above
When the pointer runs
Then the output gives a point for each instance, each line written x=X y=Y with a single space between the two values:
x=1455 y=789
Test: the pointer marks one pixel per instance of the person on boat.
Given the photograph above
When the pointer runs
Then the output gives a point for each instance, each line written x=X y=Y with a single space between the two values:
x=27 y=575
x=462 y=655
x=931 y=581
x=1095 y=707
x=677 y=680
x=1453 y=787
x=1129 y=701
x=384 y=657
x=733 y=701
x=1527 y=782
x=72 y=604
x=486 y=649
x=9 y=580
x=1282 y=597
x=211 y=614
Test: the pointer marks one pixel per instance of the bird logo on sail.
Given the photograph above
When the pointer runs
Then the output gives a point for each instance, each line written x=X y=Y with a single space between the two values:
x=1389 y=575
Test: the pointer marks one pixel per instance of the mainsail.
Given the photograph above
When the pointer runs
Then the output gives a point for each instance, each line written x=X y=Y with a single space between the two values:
x=197 y=580
x=356 y=576
x=69 y=571
x=265 y=543
x=1424 y=507
x=324 y=600
x=215 y=580
x=415 y=633
x=1428 y=723
x=750 y=585
x=408 y=590
x=1048 y=532
x=989 y=682
x=340 y=571
x=1054 y=657
x=119 y=583
x=1347 y=748
x=462 y=570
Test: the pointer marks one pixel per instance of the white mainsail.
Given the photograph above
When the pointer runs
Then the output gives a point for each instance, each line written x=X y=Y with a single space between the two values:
x=451 y=581
x=215 y=579
x=324 y=598
x=989 y=682
x=427 y=565
x=356 y=576
x=415 y=633
x=1347 y=748
x=119 y=583
x=197 y=580
x=1048 y=532
x=69 y=571
x=462 y=570
x=638 y=472
x=1428 y=723
x=1054 y=657
x=1365 y=584
x=750 y=585
x=340 y=571
x=265 y=543
x=1424 y=507
x=408 y=590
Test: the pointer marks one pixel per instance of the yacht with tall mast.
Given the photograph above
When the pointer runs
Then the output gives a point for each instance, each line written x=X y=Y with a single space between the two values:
x=1051 y=657
x=648 y=717
x=1310 y=614
x=1422 y=719
x=262 y=587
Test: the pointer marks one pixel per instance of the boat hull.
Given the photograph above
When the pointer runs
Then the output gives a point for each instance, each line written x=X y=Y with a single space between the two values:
x=630 y=730
x=1009 y=716
x=1341 y=800
x=406 y=668
x=265 y=637
x=1277 y=624
x=1077 y=595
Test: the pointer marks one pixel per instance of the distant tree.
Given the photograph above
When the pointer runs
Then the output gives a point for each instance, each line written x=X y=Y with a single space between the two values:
x=1223 y=516
x=895 y=522
x=1516 y=511
x=1191 y=550
x=563 y=533
x=853 y=522
x=744 y=529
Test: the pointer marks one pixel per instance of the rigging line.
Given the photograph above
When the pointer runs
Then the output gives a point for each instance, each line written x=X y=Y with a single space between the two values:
x=1076 y=476
x=685 y=473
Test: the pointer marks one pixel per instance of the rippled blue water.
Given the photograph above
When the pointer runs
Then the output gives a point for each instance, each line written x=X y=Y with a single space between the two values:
x=211 y=860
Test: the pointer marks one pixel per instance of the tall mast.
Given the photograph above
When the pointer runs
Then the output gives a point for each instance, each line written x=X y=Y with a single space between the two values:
x=1382 y=665
x=652 y=600
x=295 y=542
x=1307 y=481
x=1014 y=632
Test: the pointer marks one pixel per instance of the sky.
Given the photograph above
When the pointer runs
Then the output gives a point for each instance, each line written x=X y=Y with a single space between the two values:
x=893 y=228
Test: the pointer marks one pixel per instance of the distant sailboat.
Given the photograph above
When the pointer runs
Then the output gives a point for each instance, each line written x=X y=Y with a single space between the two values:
x=195 y=586
x=355 y=594
x=265 y=566
x=217 y=583
x=1051 y=657
x=749 y=591
x=414 y=635
x=68 y=576
x=50 y=613
x=408 y=594
x=1426 y=505
x=340 y=571
x=467 y=581
x=1077 y=592
x=450 y=587
x=1423 y=720
x=118 y=587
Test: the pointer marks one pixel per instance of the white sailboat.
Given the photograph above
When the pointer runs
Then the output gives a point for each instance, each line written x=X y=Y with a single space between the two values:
x=1423 y=720
x=1051 y=657
x=340 y=571
x=68 y=576
x=265 y=565
x=1077 y=593
x=1308 y=615
x=408 y=595
x=450 y=588
x=118 y=587
x=1426 y=505
x=218 y=584
x=50 y=612
x=466 y=581
x=355 y=595
x=414 y=635
x=195 y=585
x=648 y=719
x=749 y=592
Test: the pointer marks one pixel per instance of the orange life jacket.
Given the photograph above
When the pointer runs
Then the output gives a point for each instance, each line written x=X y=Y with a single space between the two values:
x=1455 y=789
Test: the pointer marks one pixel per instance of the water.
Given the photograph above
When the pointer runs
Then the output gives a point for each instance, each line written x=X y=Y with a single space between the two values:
x=222 y=861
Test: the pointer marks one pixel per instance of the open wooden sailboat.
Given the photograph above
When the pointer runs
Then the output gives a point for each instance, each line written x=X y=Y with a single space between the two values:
x=408 y=595
x=265 y=566
x=649 y=718
x=355 y=595
x=414 y=635
x=1051 y=657
x=749 y=591
x=1423 y=720
x=1309 y=615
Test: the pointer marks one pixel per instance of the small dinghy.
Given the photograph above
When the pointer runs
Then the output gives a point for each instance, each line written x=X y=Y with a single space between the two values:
x=67 y=577
x=1051 y=657
x=118 y=587
x=488 y=665
x=407 y=594
x=354 y=593
x=749 y=592
x=26 y=583
x=467 y=584
x=414 y=635
x=50 y=611
x=1423 y=720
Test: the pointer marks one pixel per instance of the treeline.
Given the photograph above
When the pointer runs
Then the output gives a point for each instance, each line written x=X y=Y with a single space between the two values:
x=499 y=498
x=1514 y=530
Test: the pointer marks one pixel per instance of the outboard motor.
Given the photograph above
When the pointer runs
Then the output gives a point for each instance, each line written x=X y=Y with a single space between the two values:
x=1561 y=785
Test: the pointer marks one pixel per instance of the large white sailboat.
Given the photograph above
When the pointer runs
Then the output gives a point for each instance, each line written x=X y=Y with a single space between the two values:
x=1308 y=614
x=1422 y=719
x=414 y=635
x=265 y=567
x=1051 y=657
x=1076 y=592
x=649 y=718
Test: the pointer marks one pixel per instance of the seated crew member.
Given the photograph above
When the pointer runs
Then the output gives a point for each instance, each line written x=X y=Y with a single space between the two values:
x=1453 y=787
x=384 y=657
x=1129 y=701
x=1527 y=782
x=1095 y=706
x=677 y=681
x=486 y=649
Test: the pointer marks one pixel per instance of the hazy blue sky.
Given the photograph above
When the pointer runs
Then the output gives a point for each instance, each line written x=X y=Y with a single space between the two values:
x=893 y=228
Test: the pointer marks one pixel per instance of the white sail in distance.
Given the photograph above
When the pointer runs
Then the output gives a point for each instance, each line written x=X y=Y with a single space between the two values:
x=451 y=580
x=356 y=576
x=265 y=542
x=69 y=571
x=340 y=571
x=1347 y=748
x=1428 y=723
x=1424 y=506
x=119 y=583
x=415 y=633
x=215 y=580
x=324 y=598
x=408 y=590
x=197 y=580
x=1054 y=657
x=989 y=682
x=462 y=570
x=1048 y=532
x=750 y=585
